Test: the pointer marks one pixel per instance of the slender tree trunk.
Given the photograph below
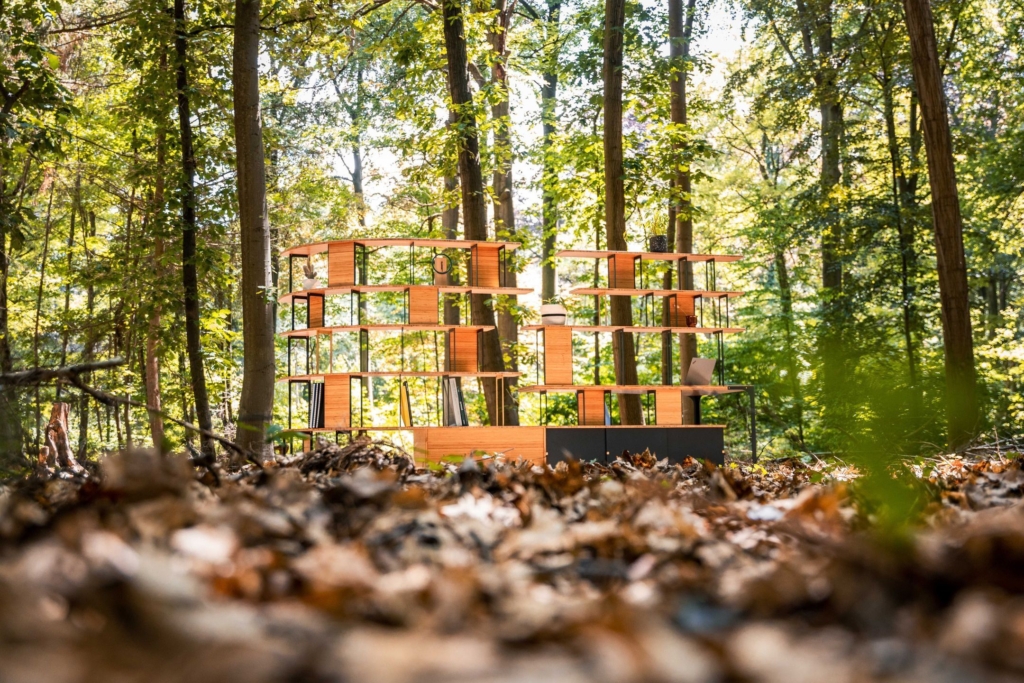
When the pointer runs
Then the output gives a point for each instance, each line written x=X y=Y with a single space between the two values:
x=76 y=198
x=189 y=269
x=666 y=337
x=621 y=307
x=962 y=412
x=255 y=410
x=792 y=371
x=39 y=310
x=504 y=199
x=89 y=350
x=680 y=31
x=549 y=172
x=153 y=398
x=903 y=228
x=474 y=212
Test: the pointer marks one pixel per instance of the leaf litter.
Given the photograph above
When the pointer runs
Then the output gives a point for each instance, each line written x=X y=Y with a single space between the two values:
x=354 y=564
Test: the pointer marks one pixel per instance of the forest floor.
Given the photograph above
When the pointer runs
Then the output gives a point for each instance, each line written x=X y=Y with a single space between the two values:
x=353 y=564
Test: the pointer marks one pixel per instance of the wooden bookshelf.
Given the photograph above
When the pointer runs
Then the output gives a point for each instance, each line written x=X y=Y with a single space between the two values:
x=636 y=329
x=617 y=291
x=314 y=248
x=647 y=256
x=482 y=270
x=291 y=297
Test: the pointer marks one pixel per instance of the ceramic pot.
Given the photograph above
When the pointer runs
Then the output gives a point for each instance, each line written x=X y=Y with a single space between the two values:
x=310 y=283
x=658 y=243
x=552 y=314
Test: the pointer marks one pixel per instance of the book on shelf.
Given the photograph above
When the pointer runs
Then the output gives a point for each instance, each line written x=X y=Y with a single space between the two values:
x=406 y=406
x=456 y=404
x=316 y=405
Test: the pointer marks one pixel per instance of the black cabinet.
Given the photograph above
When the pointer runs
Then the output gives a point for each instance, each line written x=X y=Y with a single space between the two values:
x=605 y=444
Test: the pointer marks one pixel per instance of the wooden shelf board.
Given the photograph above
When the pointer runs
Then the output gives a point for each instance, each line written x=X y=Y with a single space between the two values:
x=313 y=331
x=687 y=390
x=370 y=289
x=648 y=255
x=315 y=376
x=638 y=330
x=321 y=247
x=612 y=291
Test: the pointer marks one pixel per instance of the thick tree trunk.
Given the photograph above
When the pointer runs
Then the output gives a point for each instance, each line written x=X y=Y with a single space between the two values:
x=474 y=211
x=152 y=374
x=680 y=30
x=10 y=422
x=504 y=200
x=189 y=270
x=549 y=172
x=255 y=410
x=962 y=414
x=834 y=313
x=621 y=307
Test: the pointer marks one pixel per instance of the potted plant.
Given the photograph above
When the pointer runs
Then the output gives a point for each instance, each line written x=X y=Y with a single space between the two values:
x=310 y=281
x=552 y=314
x=658 y=243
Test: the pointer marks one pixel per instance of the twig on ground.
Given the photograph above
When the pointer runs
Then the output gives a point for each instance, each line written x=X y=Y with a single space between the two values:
x=71 y=375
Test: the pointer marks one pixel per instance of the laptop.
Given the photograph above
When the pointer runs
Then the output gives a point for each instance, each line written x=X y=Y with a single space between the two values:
x=700 y=372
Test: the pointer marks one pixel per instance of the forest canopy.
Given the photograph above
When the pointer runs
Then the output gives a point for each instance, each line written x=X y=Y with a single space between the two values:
x=146 y=146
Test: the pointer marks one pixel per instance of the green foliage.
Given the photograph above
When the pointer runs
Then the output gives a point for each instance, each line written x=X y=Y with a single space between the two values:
x=95 y=127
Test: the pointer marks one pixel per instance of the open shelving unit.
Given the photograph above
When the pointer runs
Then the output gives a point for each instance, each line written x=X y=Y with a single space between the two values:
x=320 y=314
x=627 y=277
x=422 y=290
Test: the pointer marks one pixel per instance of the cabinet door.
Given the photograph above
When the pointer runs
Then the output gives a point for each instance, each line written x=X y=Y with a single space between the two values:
x=637 y=440
x=575 y=442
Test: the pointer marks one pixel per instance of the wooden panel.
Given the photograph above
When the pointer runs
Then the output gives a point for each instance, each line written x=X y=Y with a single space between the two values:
x=337 y=402
x=462 y=349
x=621 y=271
x=437 y=443
x=557 y=355
x=679 y=306
x=315 y=311
x=590 y=406
x=341 y=264
x=486 y=264
x=423 y=305
x=668 y=407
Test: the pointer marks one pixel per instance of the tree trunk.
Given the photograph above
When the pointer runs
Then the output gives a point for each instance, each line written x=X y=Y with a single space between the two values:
x=904 y=228
x=189 y=270
x=621 y=307
x=255 y=410
x=58 y=445
x=962 y=413
x=10 y=424
x=152 y=373
x=680 y=31
x=788 y=320
x=89 y=350
x=76 y=198
x=39 y=309
x=549 y=172
x=504 y=204
x=834 y=313
x=474 y=211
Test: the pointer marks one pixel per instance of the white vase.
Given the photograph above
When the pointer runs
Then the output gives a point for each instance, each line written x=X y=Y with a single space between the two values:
x=310 y=283
x=552 y=314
